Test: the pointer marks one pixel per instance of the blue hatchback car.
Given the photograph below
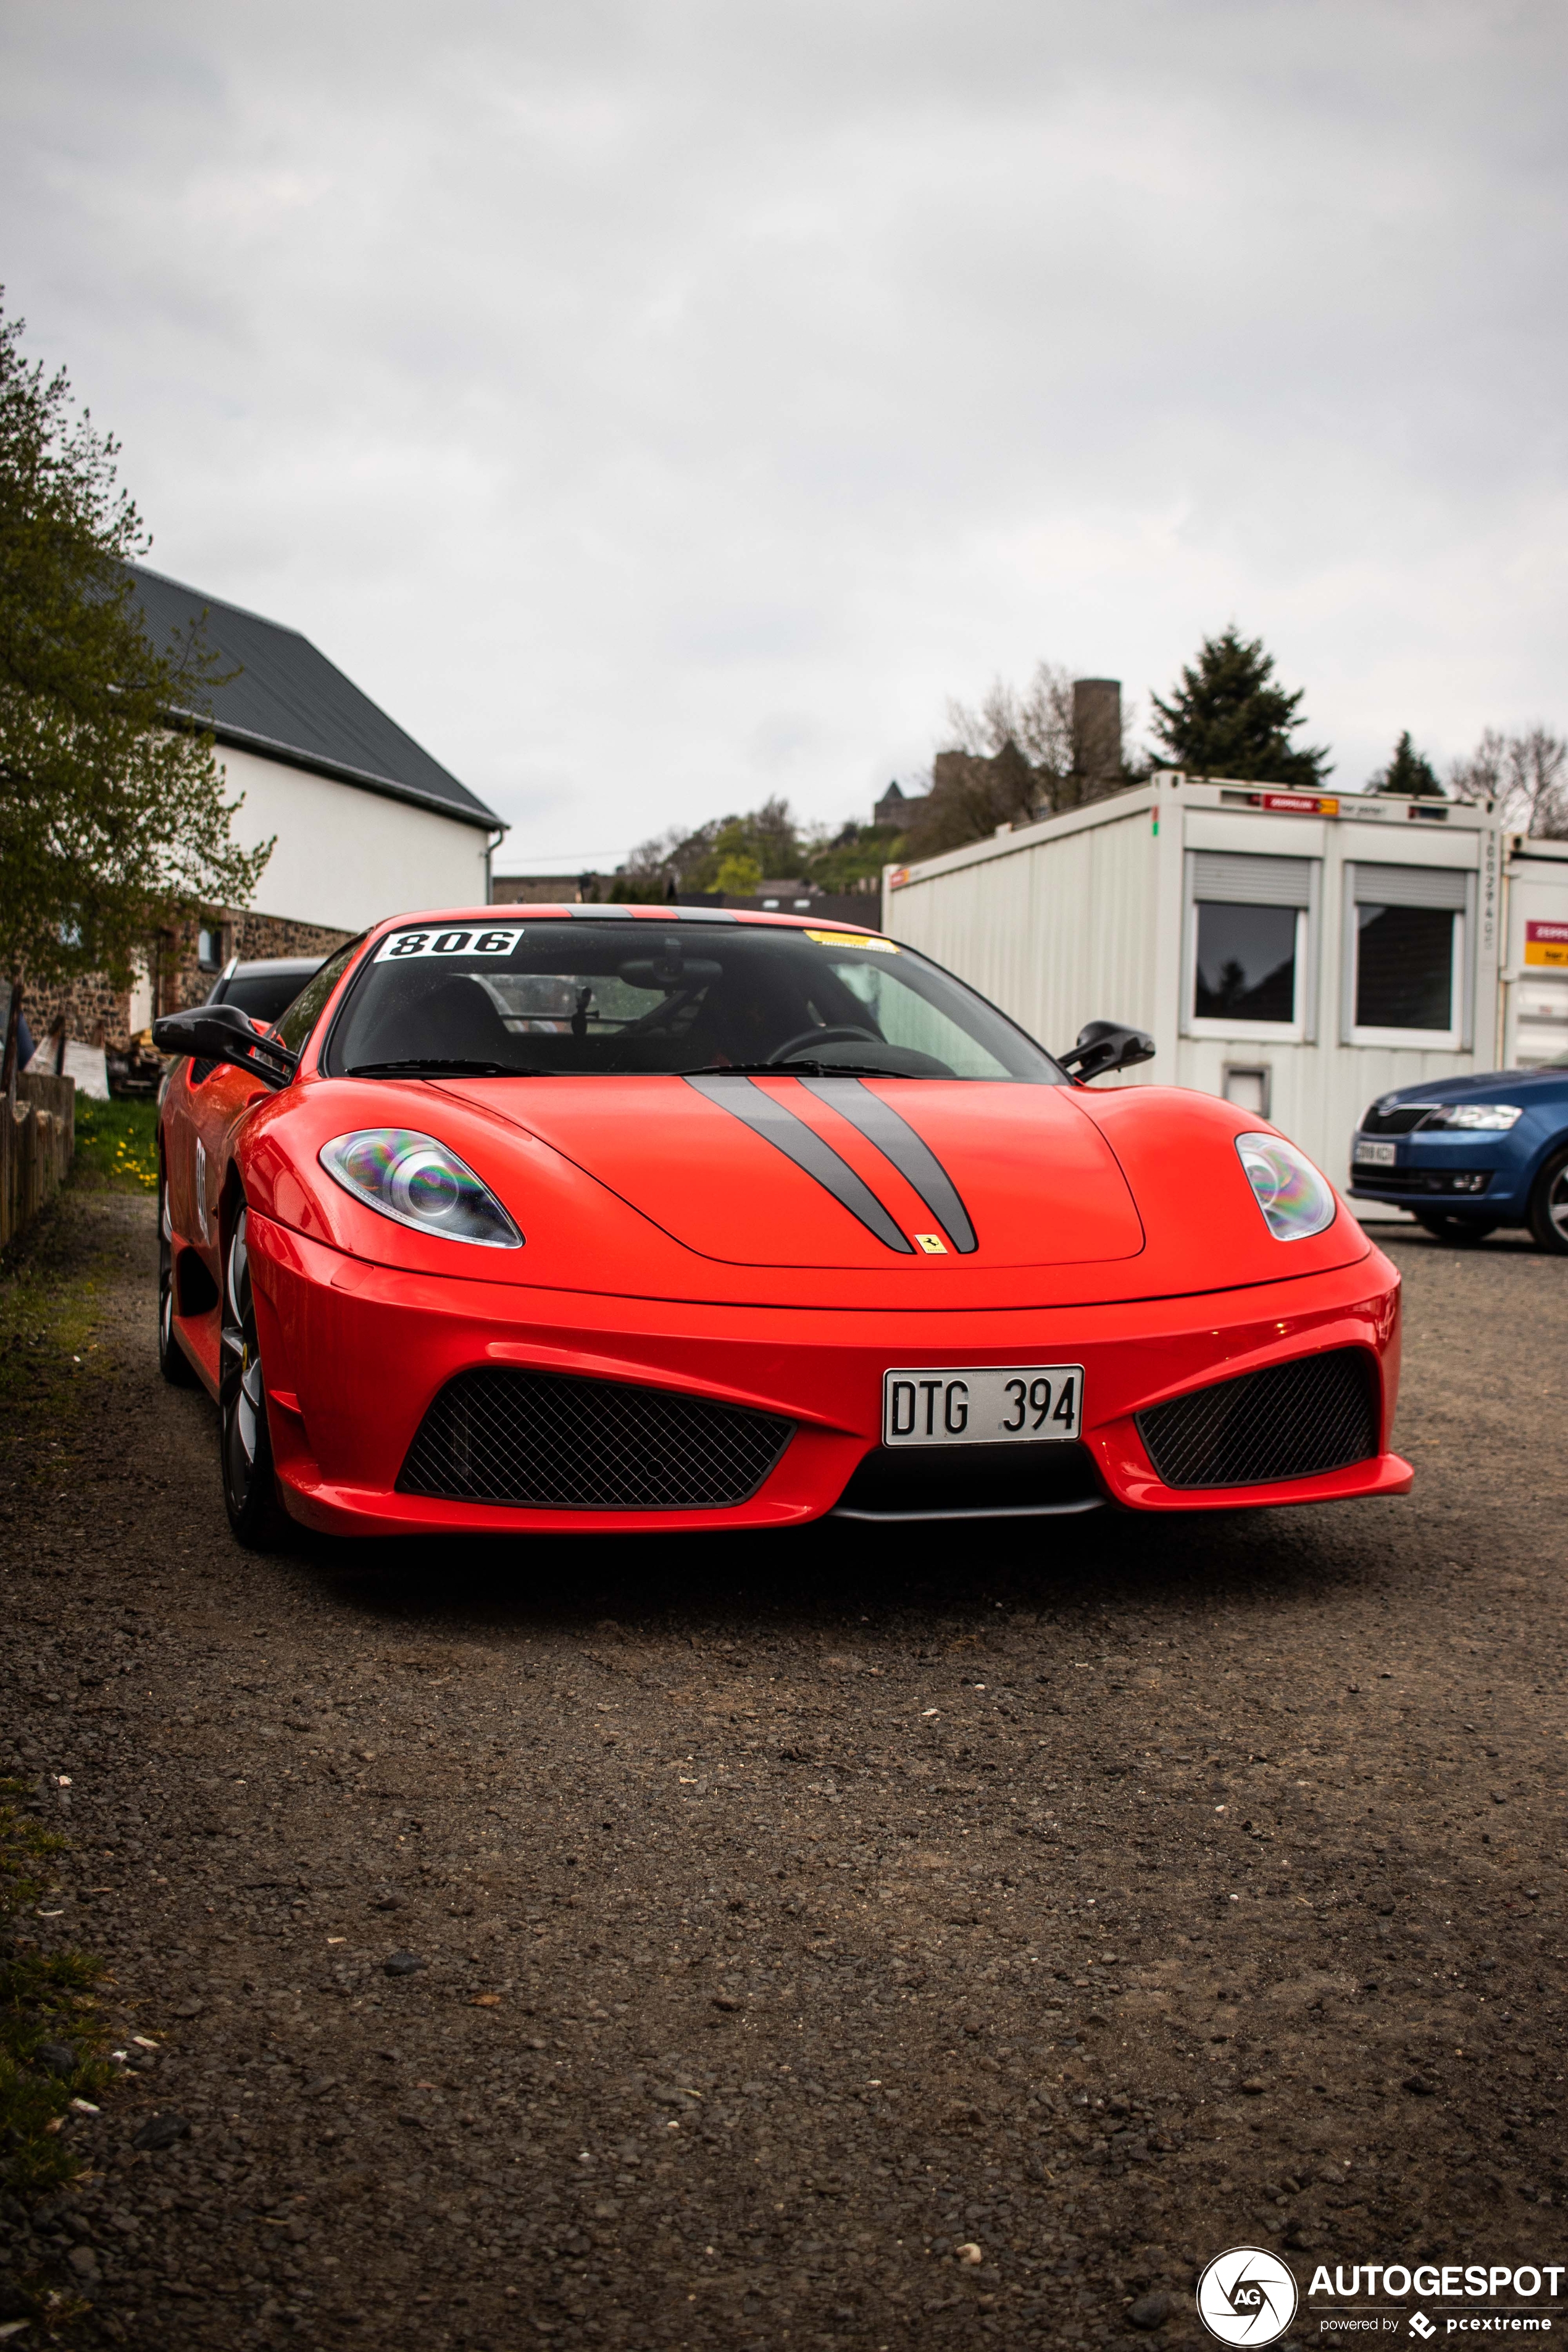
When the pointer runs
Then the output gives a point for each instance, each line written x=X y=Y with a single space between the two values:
x=1466 y=1155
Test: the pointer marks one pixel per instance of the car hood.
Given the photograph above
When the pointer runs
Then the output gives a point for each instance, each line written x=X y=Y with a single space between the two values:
x=843 y=1172
x=1526 y=1086
x=808 y=1194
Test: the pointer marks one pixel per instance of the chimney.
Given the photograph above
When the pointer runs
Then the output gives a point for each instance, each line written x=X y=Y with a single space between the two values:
x=1097 y=727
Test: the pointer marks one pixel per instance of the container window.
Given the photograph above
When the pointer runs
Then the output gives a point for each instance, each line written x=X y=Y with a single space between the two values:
x=1405 y=976
x=1250 y=944
x=1404 y=967
x=1247 y=959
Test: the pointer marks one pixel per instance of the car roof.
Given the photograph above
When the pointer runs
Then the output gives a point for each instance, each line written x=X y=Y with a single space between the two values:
x=306 y=964
x=504 y=918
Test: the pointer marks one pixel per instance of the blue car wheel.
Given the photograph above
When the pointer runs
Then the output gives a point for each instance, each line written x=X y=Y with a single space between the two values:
x=1460 y=1229
x=1549 y=1206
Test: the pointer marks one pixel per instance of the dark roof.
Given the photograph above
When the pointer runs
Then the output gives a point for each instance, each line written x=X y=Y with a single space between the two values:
x=289 y=702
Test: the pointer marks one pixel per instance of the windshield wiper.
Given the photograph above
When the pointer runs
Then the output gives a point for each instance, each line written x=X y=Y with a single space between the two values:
x=419 y=1065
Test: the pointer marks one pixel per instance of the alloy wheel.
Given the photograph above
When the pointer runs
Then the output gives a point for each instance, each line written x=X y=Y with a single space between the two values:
x=173 y=1360
x=248 y=1491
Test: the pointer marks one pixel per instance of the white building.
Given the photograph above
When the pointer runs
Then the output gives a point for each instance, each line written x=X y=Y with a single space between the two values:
x=1297 y=952
x=367 y=822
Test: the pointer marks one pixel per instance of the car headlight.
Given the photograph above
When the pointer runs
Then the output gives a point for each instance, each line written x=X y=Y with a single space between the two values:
x=1484 y=1118
x=419 y=1183
x=1296 y=1202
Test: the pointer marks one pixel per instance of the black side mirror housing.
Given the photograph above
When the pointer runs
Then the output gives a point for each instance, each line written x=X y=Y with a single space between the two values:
x=221 y=1032
x=1104 y=1046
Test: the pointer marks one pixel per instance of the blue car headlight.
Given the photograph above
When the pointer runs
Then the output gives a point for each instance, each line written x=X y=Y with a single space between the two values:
x=1296 y=1202
x=1475 y=1119
x=419 y=1183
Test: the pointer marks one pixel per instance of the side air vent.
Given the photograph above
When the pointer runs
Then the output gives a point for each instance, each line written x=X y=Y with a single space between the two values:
x=1292 y=1420
x=553 y=1442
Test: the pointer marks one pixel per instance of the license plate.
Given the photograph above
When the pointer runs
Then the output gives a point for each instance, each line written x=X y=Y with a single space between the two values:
x=1368 y=1154
x=989 y=1405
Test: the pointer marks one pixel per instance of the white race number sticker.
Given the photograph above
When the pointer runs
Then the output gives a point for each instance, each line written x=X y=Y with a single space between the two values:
x=472 y=939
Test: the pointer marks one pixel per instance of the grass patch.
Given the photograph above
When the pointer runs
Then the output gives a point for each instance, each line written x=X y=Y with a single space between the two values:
x=116 y=1144
x=50 y=1295
x=51 y=2035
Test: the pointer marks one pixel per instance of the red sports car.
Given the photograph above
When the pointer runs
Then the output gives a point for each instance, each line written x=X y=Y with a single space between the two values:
x=644 y=1218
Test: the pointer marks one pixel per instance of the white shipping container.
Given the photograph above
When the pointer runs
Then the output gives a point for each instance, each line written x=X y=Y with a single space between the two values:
x=1535 y=954
x=1296 y=952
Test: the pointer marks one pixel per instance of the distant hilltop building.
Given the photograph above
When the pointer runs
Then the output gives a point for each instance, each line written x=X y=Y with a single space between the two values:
x=897 y=807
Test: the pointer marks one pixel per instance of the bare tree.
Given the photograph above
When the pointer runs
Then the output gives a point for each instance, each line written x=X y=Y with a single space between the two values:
x=1037 y=721
x=1019 y=755
x=1526 y=774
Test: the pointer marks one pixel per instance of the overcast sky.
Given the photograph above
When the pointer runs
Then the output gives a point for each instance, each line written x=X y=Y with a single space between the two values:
x=657 y=404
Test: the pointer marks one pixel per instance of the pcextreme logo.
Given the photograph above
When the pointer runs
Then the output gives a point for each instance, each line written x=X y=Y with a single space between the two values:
x=1246 y=2296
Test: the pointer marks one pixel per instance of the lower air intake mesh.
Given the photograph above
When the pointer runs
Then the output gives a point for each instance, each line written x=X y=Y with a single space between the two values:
x=557 y=1442
x=1292 y=1420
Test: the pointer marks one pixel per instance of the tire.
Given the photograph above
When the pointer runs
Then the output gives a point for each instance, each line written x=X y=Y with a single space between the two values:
x=245 y=1446
x=1549 y=1206
x=1462 y=1233
x=173 y=1361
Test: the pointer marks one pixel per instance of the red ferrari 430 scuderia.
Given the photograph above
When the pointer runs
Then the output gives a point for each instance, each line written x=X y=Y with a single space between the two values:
x=646 y=1218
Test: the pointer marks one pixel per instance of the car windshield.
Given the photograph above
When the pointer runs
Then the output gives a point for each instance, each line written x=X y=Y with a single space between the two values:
x=625 y=996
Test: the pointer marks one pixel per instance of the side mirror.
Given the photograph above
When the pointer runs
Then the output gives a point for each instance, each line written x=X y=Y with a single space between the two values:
x=222 y=1032
x=1105 y=1046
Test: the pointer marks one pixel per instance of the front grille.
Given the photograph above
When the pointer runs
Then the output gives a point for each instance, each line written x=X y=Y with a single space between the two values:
x=1420 y=1180
x=970 y=1477
x=553 y=1442
x=1293 y=1421
x=1397 y=1118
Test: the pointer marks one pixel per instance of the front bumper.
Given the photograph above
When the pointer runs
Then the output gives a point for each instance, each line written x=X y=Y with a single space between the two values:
x=1470 y=1175
x=354 y=1354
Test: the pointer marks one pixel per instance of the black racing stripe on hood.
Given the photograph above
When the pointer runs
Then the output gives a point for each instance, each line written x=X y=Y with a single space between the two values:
x=777 y=1125
x=911 y=1154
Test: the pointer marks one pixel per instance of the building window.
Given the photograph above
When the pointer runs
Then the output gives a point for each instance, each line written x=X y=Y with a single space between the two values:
x=1250 y=931
x=209 y=948
x=1406 y=933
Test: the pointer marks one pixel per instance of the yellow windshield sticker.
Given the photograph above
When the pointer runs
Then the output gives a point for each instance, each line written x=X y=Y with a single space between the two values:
x=853 y=939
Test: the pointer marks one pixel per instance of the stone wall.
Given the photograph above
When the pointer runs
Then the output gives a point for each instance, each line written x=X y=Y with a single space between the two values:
x=98 y=1015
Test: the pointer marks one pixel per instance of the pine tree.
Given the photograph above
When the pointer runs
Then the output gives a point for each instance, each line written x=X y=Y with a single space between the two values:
x=1409 y=772
x=1227 y=717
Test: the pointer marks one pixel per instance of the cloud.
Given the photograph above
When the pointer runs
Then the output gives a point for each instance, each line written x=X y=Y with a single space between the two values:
x=661 y=406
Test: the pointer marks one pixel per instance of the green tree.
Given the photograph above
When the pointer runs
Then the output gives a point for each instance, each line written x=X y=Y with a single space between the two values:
x=1227 y=717
x=765 y=843
x=853 y=858
x=1409 y=772
x=113 y=823
x=739 y=874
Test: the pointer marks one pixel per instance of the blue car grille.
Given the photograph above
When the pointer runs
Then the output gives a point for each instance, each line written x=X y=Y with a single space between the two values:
x=1290 y=1421
x=549 y=1440
x=1399 y=1119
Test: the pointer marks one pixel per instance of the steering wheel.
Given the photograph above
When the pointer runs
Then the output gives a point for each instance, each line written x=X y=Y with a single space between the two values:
x=845 y=1034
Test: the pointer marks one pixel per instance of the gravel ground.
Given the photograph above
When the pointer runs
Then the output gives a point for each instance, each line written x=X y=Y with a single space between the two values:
x=849 y=1938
